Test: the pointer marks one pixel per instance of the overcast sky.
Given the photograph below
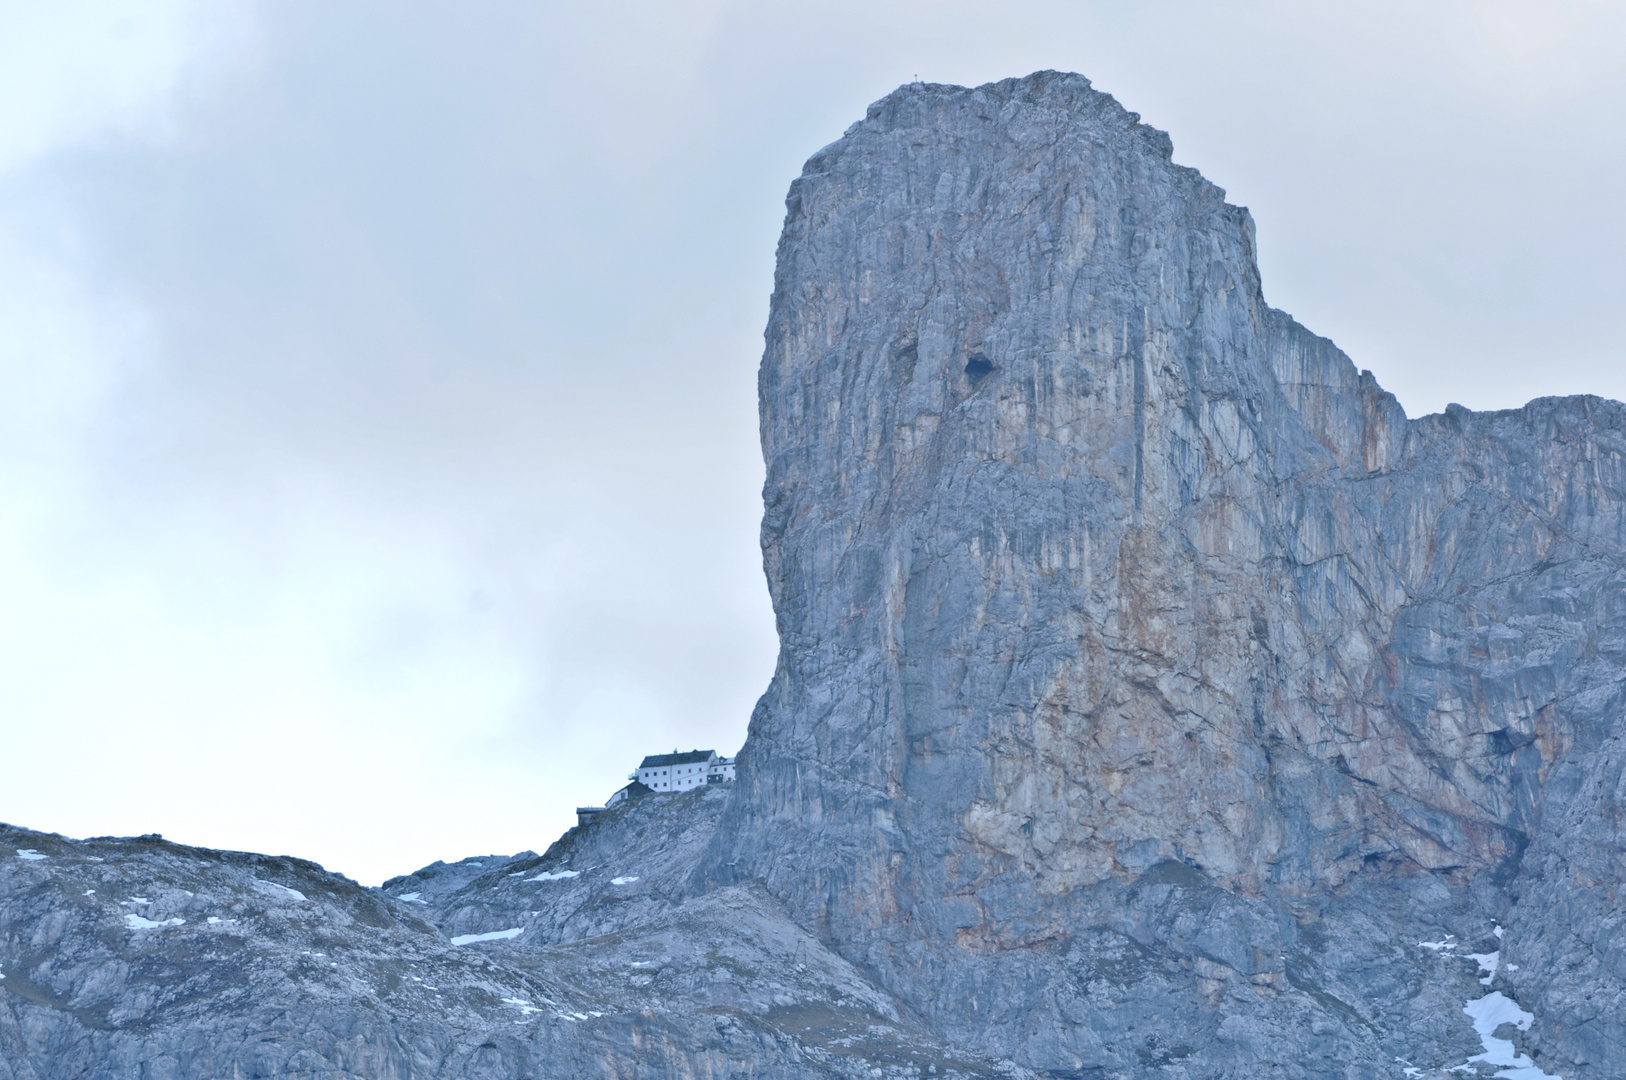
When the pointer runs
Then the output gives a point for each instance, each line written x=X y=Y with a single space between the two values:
x=378 y=433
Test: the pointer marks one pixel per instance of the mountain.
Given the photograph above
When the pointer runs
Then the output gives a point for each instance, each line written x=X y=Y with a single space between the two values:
x=1155 y=699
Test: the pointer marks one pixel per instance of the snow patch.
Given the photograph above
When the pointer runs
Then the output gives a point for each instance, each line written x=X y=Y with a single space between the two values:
x=136 y=922
x=295 y=893
x=90 y=892
x=555 y=875
x=30 y=853
x=622 y=880
x=134 y=900
x=525 y=1007
x=1488 y=963
x=1491 y=1012
x=495 y=935
x=411 y=898
x=216 y=920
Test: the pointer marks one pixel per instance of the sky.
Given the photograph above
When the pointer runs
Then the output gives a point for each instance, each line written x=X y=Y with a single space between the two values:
x=378 y=441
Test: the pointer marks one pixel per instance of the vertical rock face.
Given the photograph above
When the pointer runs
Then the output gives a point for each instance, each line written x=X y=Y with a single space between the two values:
x=1114 y=602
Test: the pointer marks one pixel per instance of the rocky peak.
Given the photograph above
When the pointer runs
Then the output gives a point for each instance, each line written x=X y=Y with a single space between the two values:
x=1089 y=564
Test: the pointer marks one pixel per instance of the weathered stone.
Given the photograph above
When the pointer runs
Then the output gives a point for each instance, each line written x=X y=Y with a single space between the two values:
x=1088 y=564
x=277 y=968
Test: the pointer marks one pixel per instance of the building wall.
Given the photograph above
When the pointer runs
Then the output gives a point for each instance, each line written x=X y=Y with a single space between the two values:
x=674 y=777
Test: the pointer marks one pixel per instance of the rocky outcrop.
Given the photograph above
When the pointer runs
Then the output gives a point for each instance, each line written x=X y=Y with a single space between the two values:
x=141 y=958
x=1092 y=570
x=1155 y=699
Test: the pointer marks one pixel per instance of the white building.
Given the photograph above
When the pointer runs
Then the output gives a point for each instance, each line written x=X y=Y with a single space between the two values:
x=667 y=773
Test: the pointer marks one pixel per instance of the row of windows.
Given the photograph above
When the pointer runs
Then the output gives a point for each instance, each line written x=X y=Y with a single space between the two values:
x=684 y=777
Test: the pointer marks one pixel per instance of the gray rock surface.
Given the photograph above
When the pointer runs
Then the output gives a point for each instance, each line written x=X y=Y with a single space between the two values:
x=1155 y=699
x=1091 y=567
x=141 y=958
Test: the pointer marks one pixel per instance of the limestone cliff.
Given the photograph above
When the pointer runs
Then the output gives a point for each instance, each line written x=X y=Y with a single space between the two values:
x=1089 y=565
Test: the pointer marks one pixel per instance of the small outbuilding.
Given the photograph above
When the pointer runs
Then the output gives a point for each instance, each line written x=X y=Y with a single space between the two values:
x=633 y=790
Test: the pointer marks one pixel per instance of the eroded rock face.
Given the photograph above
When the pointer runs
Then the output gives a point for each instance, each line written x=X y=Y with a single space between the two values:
x=1088 y=564
x=141 y=958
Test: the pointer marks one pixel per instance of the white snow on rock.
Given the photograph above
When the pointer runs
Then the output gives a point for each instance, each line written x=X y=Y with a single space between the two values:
x=495 y=935
x=216 y=920
x=411 y=898
x=136 y=922
x=1491 y=1012
x=1488 y=963
x=525 y=1007
x=622 y=880
x=30 y=853
x=555 y=875
x=295 y=893
x=134 y=900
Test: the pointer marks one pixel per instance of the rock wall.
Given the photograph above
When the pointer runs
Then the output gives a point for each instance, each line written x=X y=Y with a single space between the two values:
x=1093 y=571
x=140 y=958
